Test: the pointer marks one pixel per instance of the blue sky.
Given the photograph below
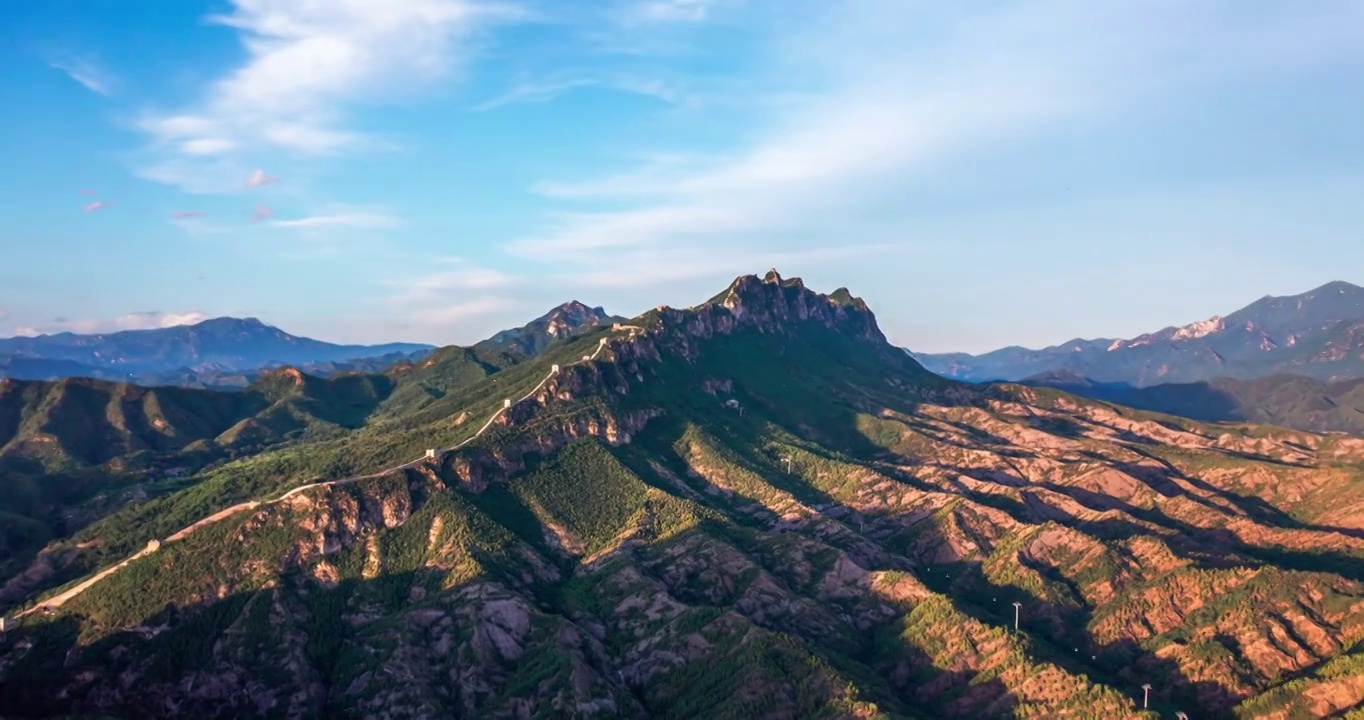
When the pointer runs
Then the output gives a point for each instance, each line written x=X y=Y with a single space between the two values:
x=984 y=174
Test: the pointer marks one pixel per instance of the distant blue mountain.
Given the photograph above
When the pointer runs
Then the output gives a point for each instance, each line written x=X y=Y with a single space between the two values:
x=219 y=345
x=1318 y=334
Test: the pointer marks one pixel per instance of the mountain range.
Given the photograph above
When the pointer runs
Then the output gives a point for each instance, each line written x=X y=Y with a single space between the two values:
x=219 y=345
x=85 y=443
x=755 y=507
x=1318 y=334
x=230 y=353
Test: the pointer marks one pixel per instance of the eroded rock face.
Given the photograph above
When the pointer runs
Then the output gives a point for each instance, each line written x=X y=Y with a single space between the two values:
x=476 y=467
x=769 y=305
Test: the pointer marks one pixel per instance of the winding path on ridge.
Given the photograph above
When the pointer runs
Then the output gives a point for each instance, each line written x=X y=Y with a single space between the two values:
x=57 y=601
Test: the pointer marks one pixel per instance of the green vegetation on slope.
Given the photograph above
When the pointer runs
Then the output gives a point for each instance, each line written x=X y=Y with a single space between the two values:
x=848 y=542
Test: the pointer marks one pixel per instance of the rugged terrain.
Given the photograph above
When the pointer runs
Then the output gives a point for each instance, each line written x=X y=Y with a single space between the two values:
x=1318 y=334
x=1291 y=401
x=755 y=508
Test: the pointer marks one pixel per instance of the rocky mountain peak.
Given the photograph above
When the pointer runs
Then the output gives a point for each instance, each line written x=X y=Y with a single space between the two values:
x=576 y=314
x=774 y=304
x=560 y=322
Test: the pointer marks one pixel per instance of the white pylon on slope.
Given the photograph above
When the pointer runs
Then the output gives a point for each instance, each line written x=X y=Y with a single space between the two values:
x=1018 y=606
x=1145 y=696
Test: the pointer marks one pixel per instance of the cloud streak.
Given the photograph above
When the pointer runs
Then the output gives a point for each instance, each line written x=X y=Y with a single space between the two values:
x=260 y=178
x=144 y=320
x=87 y=73
x=307 y=63
x=640 y=12
x=363 y=221
x=551 y=89
x=456 y=301
x=95 y=206
x=153 y=319
x=879 y=114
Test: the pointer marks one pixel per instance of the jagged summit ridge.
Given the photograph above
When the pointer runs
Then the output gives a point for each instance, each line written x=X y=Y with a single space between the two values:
x=772 y=303
x=776 y=304
x=565 y=318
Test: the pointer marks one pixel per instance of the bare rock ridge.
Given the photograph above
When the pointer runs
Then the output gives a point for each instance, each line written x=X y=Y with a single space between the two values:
x=772 y=305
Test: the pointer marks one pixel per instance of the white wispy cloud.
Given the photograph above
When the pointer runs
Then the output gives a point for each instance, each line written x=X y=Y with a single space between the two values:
x=95 y=206
x=880 y=112
x=652 y=11
x=152 y=319
x=86 y=72
x=260 y=178
x=455 y=300
x=534 y=92
x=549 y=89
x=454 y=278
x=307 y=63
x=144 y=320
x=366 y=221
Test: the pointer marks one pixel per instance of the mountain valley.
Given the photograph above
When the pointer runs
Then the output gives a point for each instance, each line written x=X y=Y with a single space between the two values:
x=753 y=508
